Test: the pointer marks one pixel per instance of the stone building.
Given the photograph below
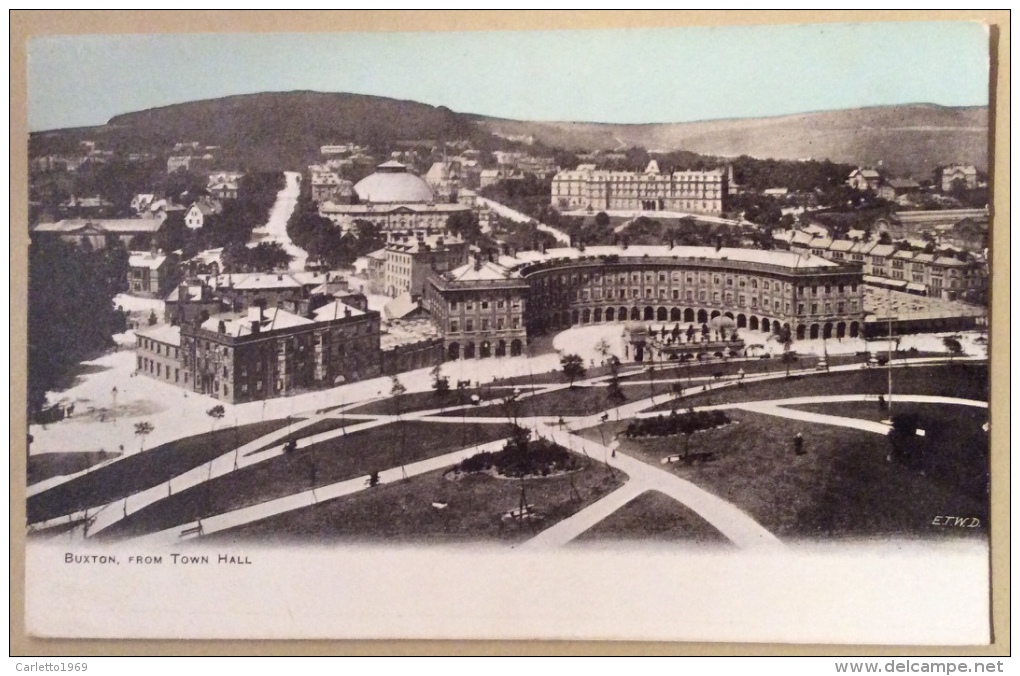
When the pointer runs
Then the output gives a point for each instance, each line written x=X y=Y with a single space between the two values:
x=395 y=200
x=261 y=354
x=479 y=309
x=410 y=259
x=598 y=190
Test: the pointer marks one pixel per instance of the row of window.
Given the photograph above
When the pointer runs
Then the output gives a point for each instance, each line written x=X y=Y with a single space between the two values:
x=691 y=278
x=469 y=324
x=500 y=304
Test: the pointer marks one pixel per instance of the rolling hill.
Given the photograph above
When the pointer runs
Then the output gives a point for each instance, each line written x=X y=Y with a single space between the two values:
x=909 y=139
x=284 y=130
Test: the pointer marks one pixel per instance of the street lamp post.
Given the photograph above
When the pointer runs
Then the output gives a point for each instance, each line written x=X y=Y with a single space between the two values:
x=889 y=350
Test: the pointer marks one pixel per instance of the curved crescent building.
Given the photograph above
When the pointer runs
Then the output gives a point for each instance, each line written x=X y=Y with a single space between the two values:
x=477 y=305
x=394 y=199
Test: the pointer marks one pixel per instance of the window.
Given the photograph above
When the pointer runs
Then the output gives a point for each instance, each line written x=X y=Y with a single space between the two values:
x=676 y=294
x=469 y=325
x=800 y=308
x=453 y=326
x=500 y=304
x=515 y=322
x=485 y=325
x=485 y=305
x=499 y=323
x=469 y=305
x=814 y=308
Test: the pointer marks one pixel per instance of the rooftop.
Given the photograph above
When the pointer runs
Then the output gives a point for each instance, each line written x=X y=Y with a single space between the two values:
x=238 y=325
x=164 y=333
x=112 y=225
x=786 y=259
x=145 y=259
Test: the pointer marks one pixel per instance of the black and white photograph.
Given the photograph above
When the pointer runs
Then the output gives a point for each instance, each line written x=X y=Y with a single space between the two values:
x=601 y=334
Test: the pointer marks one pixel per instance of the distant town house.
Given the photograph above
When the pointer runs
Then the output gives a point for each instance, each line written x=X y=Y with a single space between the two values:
x=149 y=274
x=864 y=180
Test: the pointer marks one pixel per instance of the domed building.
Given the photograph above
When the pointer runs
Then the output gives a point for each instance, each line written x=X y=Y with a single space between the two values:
x=394 y=199
x=392 y=183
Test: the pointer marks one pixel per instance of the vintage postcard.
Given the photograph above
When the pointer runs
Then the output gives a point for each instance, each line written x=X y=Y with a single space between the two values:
x=674 y=334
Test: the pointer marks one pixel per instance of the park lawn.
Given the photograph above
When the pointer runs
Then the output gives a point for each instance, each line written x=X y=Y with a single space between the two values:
x=965 y=380
x=326 y=462
x=317 y=427
x=956 y=447
x=426 y=401
x=49 y=465
x=142 y=470
x=404 y=511
x=567 y=401
x=842 y=487
x=555 y=377
x=671 y=371
x=657 y=517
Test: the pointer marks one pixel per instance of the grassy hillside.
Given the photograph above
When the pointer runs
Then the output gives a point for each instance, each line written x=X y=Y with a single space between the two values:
x=272 y=130
x=909 y=139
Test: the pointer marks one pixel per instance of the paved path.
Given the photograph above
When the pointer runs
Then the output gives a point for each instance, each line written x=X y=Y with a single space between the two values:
x=270 y=508
x=733 y=523
x=516 y=216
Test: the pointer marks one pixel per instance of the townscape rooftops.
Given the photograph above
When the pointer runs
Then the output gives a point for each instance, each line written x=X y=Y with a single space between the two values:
x=336 y=310
x=883 y=250
x=401 y=306
x=484 y=271
x=409 y=332
x=239 y=325
x=168 y=335
x=145 y=259
x=249 y=281
x=416 y=245
x=903 y=183
x=786 y=259
x=112 y=225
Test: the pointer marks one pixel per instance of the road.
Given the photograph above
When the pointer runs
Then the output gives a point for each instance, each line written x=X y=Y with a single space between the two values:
x=516 y=216
x=275 y=229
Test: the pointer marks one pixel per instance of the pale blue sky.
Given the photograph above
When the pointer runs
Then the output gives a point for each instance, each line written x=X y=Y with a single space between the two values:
x=634 y=75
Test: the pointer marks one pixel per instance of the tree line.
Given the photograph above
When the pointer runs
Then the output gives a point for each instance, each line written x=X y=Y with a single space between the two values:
x=71 y=314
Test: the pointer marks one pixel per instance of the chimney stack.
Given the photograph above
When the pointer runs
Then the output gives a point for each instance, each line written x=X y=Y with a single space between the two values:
x=222 y=327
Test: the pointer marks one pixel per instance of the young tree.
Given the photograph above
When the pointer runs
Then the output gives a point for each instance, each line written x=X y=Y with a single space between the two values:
x=440 y=383
x=142 y=430
x=789 y=357
x=573 y=367
x=953 y=346
x=397 y=390
x=603 y=350
x=216 y=413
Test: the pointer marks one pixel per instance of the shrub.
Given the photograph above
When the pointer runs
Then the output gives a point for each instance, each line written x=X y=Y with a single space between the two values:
x=686 y=423
x=522 y=456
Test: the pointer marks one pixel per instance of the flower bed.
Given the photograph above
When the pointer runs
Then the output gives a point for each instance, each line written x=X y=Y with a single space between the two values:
x=522 y=457
x=685 y=423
